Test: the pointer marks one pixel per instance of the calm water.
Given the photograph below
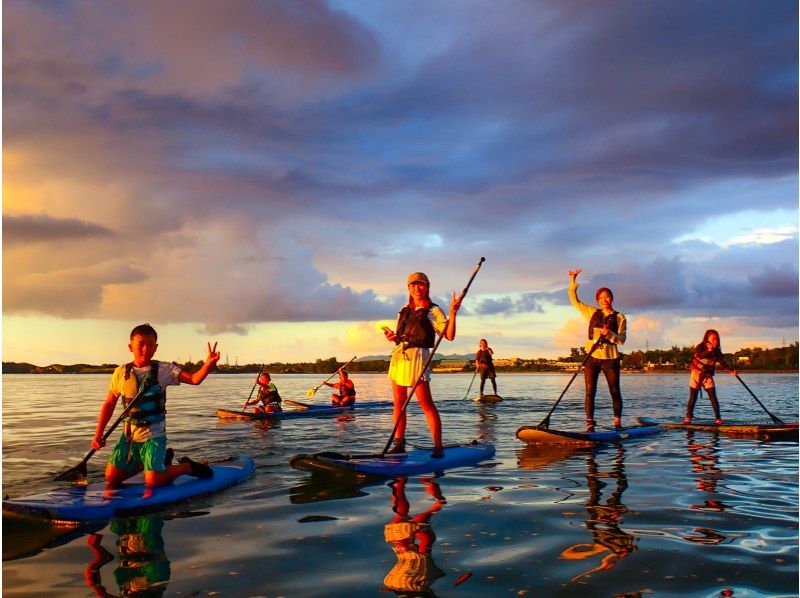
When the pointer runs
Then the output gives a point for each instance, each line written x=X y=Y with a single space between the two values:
x=675 y=514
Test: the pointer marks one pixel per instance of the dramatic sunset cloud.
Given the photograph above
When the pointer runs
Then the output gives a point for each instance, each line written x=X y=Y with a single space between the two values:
x=254 y=170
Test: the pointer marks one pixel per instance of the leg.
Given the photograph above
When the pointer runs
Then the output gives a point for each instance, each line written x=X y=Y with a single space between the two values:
x=425 y=399
x=399 y=417
x=712 y=396
x=690 y=405
x=483 y=380
x=591 y=371
x=611 y=371
x=494 y=384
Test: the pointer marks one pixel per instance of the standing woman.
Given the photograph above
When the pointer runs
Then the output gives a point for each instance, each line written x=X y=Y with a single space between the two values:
x=610 y=327
x=485 y=365
x=417 y=325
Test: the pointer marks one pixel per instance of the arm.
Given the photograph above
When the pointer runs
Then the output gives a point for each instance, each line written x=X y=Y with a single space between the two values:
x=622 y=333
x=450 y=328
x=196 y=378
x=106 y=411
x=572 y=292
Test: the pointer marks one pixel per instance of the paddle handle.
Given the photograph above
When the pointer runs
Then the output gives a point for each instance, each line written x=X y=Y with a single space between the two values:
x=428 y=362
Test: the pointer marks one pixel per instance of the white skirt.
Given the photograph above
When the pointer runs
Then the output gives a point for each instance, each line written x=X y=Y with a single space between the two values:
x=406 y=366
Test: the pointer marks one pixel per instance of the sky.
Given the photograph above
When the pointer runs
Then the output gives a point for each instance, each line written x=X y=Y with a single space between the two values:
x=267 y=174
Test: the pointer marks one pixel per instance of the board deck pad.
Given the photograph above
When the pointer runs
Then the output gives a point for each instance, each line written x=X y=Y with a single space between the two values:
x=306 y=410
x=414 y=462
x=95 y=501
x=740 y=429
x=545 y=436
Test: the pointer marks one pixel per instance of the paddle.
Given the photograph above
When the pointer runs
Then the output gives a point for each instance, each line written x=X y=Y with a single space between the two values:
x=545 y=423
x=302 y=406
x=427 y=363
x=470 y=383
x=312 y=391
x=250 y=396
x=78 y=473
x=775 y=419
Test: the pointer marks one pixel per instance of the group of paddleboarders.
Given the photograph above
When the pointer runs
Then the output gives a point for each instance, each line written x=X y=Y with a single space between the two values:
x=142 y=383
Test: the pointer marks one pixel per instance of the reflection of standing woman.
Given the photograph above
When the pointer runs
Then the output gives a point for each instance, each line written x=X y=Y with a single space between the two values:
x=485 y=365
x=417 y=325
x=706 y=355
x=610 y=327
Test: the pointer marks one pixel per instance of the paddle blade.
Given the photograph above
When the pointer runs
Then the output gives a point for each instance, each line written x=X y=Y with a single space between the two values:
x=311 y=392
x=76 y=474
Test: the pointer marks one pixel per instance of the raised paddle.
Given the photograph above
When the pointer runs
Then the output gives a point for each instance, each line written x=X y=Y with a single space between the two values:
x=545 y=423
x=78 y=473
x=427 y=363
x=250 y=396
x=312 y=391
x=775 y=420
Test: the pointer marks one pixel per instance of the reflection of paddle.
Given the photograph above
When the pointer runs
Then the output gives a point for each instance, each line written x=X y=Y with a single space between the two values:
x=470 y=383
x=78 y=473
x=312 y=391
x=775 y=419
x=545 y=423
x=427 y=363
x=244 y=407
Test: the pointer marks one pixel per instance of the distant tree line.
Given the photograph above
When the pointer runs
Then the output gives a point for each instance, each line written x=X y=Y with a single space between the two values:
x=673 y=359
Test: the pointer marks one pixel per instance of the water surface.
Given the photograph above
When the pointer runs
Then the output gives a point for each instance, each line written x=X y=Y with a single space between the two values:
x=689 y=514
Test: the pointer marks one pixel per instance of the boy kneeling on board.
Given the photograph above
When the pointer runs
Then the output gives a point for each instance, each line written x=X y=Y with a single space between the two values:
x=143 y=444
x=267 y=395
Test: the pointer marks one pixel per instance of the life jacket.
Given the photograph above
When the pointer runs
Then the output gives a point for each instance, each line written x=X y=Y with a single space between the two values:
x=483 y=358
x=268 y=395
x=705 y=360
x=598 y=319
x=414 y=328
x=347 y=390
x=151 y=406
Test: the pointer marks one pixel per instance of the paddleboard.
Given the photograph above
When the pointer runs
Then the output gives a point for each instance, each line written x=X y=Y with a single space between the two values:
x=488 y=399
x=414 y=462
x=95 y=501
x=737 y=429
x=537 y=435
x=303 y=410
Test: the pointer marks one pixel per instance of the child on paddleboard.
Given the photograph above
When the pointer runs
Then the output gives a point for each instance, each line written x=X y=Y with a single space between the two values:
x=267 y=395
x=706 y=355
x=609 y=328
x=143 y=443
x=345 y=390
x=485 y=365
x=417 y=325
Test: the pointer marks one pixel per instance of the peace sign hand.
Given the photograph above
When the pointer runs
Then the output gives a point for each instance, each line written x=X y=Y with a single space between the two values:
x=213 y=355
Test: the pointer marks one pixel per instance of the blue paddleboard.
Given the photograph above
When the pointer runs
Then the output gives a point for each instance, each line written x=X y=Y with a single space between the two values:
x=537 y=435
x=304 y=410
x=93 y=502
x=413 y=462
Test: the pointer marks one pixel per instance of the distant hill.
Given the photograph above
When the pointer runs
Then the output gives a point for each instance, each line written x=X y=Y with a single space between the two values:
x=438 y=356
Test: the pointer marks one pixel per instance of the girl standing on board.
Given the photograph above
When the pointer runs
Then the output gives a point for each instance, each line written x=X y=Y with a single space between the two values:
x=706 y=355
x=485 y=365
x=610 y=328
x=417 y=325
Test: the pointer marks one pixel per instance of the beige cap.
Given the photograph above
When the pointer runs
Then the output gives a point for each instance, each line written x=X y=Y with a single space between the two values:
x=418 y=277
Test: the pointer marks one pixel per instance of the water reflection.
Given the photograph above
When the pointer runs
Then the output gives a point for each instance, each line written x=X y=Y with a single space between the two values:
x=487 y=422
x=412 y=539
x=143 y=569
x=705 y=458
x=604 y=516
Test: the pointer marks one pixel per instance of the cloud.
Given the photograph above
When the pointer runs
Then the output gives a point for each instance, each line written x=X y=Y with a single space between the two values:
x=26 y=229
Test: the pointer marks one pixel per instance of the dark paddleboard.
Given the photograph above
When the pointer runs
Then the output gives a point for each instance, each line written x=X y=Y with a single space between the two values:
x=93 y=502
x=764 y=431
x=545 y=436
x=488 y=399
x=414 y=462
x=303 y=410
